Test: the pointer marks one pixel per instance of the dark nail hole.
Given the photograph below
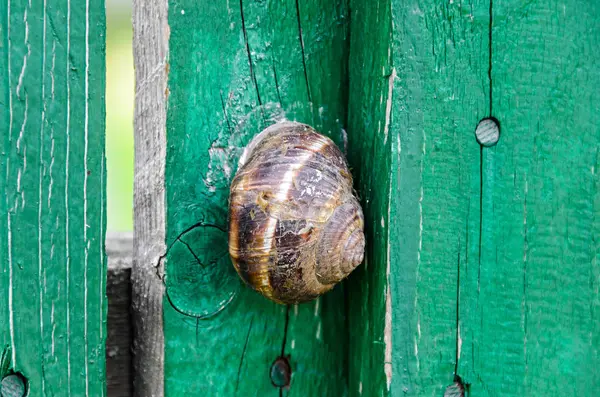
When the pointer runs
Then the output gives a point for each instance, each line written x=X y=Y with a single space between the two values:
x=13 y=385
x=281 y=372
x=487 y=132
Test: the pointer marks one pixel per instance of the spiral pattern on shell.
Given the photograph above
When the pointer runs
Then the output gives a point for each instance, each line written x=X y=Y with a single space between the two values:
x=295 y=226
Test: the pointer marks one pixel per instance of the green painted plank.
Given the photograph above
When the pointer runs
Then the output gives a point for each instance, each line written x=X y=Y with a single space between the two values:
x=531 y=319
x=370 y=157
x=235 y=68
x=493 y=252
x=436 y=73
x=52 y=283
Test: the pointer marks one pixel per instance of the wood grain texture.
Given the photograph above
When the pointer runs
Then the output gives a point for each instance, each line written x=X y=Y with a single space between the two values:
x=119 y=337
x=150 y=44
x=370 y=157
x=530 y=314
x=235 y=68
x=434 y=70
x=440 y=96
x=493 y=251
x=52 y=282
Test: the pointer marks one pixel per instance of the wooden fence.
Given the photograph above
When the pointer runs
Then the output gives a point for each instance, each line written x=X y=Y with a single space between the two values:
x=481 y=275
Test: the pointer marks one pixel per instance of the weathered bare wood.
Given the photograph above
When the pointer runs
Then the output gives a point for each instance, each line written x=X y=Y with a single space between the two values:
x=119 y=376
x=150 y=44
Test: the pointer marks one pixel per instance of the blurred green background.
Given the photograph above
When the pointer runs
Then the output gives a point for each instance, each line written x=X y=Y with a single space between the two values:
x=119 y=115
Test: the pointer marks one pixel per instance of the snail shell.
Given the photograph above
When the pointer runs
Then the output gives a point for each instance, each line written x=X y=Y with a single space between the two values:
x=295 y=226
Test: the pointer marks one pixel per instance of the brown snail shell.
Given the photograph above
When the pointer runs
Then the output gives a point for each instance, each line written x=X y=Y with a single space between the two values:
x=295 y=226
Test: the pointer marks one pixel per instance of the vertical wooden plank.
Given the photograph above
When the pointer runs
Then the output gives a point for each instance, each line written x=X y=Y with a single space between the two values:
x=370 y=156
x=235 y=68
x=52 y=316
x=422 y=91
x=150 y=44
x=532 y=315
x=492 y=268
x=446 y=87
x=419 y=94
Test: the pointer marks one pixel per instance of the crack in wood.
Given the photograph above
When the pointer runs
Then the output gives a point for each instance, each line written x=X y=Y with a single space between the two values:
x=243 y=355
x=252 y=73
x=225 y=113
x=490 y=55
x=303 y=53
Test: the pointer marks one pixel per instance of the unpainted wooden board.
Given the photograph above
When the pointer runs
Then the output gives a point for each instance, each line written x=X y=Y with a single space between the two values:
x=52 y=210
x=150 y=43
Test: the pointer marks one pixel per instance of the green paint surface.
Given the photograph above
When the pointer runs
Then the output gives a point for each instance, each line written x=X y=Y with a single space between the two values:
x=370 y=157
x=52 y=277
x=439 y=96
x=481 y=262
x=529 y=309
x=235 y=68
x=493 y=272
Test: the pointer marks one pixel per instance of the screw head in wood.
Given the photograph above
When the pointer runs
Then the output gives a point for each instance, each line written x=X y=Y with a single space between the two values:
x=13 y=385
x=281 y=372
x=457 y=389
x=488 y=132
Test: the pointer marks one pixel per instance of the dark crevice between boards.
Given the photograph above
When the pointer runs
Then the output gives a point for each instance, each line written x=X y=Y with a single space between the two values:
x=347 y=353
x=481 y=146
x=346 y=98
